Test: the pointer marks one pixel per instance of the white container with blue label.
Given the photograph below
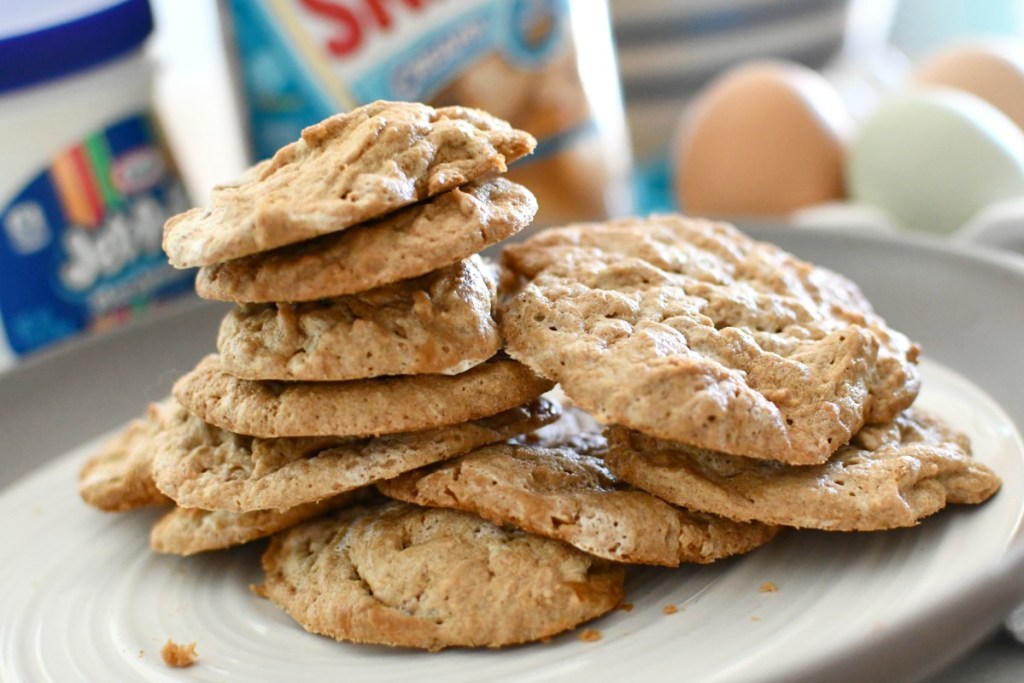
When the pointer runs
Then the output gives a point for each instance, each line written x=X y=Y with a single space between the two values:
x=86 y=182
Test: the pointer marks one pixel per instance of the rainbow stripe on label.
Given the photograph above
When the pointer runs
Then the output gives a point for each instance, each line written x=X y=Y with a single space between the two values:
x=83 y=179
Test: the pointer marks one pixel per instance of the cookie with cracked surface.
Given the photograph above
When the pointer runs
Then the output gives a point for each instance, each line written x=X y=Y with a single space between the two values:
x=405 y=244
x=890 y=475
x=563 y=490
x=187 y=531
x=366 y=407
x=344 y=170
x=203 y=466
x=119 y=477
x=413 y=577
x=690 y=331
x=437 y=323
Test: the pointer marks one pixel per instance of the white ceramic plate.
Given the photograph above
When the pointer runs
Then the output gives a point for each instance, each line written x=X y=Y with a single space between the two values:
x=84 y=599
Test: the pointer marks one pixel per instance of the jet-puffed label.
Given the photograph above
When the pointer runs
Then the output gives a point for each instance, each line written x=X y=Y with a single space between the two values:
x=80 y=244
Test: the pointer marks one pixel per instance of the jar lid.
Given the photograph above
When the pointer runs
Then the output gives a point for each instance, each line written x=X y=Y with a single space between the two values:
x=40 y=41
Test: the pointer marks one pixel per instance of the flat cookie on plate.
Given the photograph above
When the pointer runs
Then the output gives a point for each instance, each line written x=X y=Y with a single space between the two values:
x=367 y=407
x=344 y=170
x=564 y=491
x=437 y=323
x=890 y=475
x=119 y=477
x=406 y=576
x=407 y=243
x=690 y=331
x=203 y=466
x=187 y=531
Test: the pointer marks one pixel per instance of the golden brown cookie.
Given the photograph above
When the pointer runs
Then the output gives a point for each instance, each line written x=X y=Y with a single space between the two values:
x=565 y=492
x=345 y=170
x=187 y=531
x=889 y=475
x=405 y=576
x=405 y=244
x=688 y=330
x=437 y=323
x=383 y=405
x=202 y=466
x=119 y=476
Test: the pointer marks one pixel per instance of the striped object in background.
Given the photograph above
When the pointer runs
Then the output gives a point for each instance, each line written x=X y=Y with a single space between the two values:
x=82 y=177
x=669 y=49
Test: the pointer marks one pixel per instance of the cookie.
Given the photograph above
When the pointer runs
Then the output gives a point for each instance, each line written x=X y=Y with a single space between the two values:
x=187 y=531
x=202 y=466
x=383 y=405
x=405 y=576
x=889 y=475
x=119 y=476
x=405 y=244
x=688 y=330
x=565 y=492
x=437 y=323
x=345 y=170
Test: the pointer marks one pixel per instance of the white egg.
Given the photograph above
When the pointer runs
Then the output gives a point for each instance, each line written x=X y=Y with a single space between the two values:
x=934 y=157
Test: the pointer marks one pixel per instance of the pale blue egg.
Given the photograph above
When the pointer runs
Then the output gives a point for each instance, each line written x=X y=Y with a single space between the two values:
x=934 y=157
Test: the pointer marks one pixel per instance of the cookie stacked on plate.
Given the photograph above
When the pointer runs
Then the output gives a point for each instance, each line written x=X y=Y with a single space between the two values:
x=733 y=378
x=362 y=345
x=556 y=484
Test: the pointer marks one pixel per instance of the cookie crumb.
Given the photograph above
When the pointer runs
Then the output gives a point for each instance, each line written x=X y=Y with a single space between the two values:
x=258 y=589
x=669 y=609
x=178 y=656
x=755 y=618
x=625 y=607
x=590 y=635
x=768 y=587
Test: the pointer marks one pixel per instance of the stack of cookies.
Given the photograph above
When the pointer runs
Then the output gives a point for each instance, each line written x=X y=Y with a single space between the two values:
x=362 y=345
x=734 y=379
x=401 y=447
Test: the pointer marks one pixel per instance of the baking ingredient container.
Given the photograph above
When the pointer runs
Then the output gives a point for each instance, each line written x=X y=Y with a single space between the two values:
x=546 y=66
x=86 y=182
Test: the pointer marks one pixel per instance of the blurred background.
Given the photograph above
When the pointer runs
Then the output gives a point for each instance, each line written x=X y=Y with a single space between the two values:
x=902 y=115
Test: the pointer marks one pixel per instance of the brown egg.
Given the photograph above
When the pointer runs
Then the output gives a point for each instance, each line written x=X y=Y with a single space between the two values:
x=764 y=139
x=993 y=70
